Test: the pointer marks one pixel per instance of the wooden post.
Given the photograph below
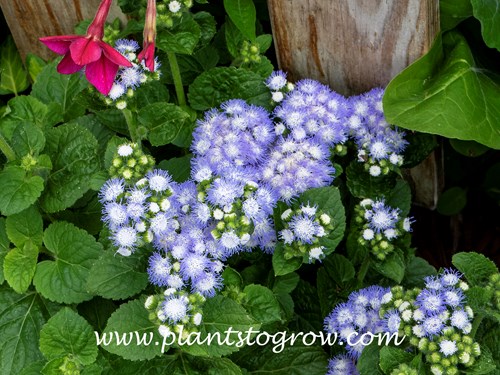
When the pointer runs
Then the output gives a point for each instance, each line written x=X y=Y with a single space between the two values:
x=30 y=19
x=354 y=46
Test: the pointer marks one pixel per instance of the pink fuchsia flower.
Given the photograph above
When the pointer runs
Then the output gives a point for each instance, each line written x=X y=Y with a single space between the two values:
x=101 y=61
x=148 y=50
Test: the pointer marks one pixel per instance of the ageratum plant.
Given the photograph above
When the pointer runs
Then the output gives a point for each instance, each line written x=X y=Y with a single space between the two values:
x=133 y=213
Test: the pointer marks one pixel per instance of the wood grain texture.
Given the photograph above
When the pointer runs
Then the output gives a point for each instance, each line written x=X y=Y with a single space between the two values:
x=30 y=19
x=352 y=45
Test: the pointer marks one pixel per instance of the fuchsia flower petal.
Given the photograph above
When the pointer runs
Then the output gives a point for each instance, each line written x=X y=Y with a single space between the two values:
x=67 y=65
x=114 y=56
x=148 y=55
x=85 y=51
x=101 y=74
x=59 y=43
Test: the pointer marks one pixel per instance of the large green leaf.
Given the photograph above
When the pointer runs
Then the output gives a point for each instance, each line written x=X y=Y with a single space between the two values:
x=21 y=318
x=26 y=226
x=219 y=314
x=445 y=93
x=68 y=334
x=452 y=12
x=73 y=151
x=19 y=190
x=117 y=277
x=181 y=39
x=163 y=120
x=64 y=279
x=476 y=267
x=53 y=87
x=219 y=84
x=4 y=247
x=19 y=267
x=27 y=139
x=13 y=77
x=488 y=13
x=130 y=323
x=261 y=303
x=278 y=359
x=243 y=14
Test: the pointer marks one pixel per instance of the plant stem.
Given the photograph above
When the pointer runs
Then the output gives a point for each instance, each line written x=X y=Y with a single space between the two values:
x=131 y=124
x=363 y=269
x=176 y=75
x=6 y=149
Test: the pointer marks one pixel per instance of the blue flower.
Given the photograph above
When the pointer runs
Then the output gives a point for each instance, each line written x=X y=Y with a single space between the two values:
x=430 y=301
x=174 y=309
x=159 y=269
x=342 y=365
x=125 y=46
x=433 y=325
x=111 y=190
x=159 y=181
x=277 y=80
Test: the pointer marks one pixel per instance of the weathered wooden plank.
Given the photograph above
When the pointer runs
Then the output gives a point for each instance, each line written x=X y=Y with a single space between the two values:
x=355 y=45
x=30 y=19
x=352 y=45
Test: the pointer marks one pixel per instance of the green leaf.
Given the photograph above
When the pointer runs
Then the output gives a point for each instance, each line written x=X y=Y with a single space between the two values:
x=329 y=201
x=368 y=363
x=468 y=148
x=282 y=266
x=232 y=278
x=452 y=12
x=234 y=316
x=163 y=120
x=419 y=148
x=68 y=334
x=244 y=15
x=415 y=272
x=181 y=39
x=53 y=87
x=34 y=64
x=178 y=168
x=488 y=13
x=19 y=267
x=21 y=318
x=153 y=92
x=393 y=267
x=261 y=303
x=285 y=284
x=73 y=151
x=131 y=322
x=476 y=267
x=298 y=359
x=13 y=77
x=264 y=41
x=452 y=201
x=400 y=197
x=27 y=139
x=339 y=268
x=208 y=27
x=97 y=311
x=117 y=277
x=4 y=247
x=234 y=38
x=445 y=93
x=22 y=109
x=19 y=190
x=362 y=185
x=64 y=279
x=391 y=357
x=114 y=119
x=26 y=226
x=217 y=85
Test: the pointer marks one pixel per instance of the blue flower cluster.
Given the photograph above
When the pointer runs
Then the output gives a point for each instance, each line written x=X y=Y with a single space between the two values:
x=303 y=230
x=129 y=79
x=359 y=314
x=379 y=144
x=380 y=226
x=436 y=320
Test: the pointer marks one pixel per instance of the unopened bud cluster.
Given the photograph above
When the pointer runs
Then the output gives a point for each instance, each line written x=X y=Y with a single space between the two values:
x=303 y=229
x=494 y=286
x=130 y=163
x=170 y=10
x=404 y=369
x=381 y=226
